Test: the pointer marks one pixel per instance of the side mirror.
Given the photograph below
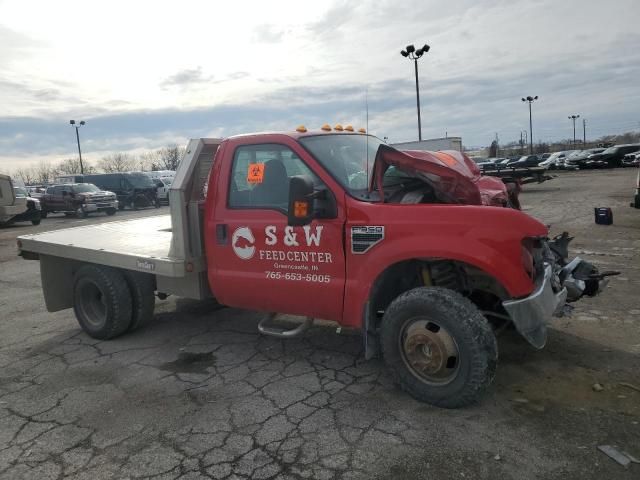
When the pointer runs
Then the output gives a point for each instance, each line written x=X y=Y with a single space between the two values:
x=300 y=201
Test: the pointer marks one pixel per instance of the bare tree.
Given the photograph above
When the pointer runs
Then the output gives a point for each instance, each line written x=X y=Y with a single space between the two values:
x=118 y=162
x=148 y=160
x=69 y=166
x=26 y=174
x=44 y=172
x=169 y=157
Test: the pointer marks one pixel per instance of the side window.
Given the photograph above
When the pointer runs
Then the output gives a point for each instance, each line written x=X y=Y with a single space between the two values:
x=260 y=176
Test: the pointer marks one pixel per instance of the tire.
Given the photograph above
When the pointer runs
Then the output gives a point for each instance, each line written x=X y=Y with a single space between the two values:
x=35 y=221
x=102 y=301
x=80 y=213
x=439 y=323
x=111 y=212
x=143 y=299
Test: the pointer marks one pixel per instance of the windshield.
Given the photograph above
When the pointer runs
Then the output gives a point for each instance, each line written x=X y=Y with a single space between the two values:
x=85 y=187
x=20 y=192
x=348 y=157
x=611 y=150
x=140 y=180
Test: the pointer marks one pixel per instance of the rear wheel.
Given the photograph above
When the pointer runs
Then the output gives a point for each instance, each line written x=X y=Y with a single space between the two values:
x=141 y=287
x=111 y=211
x=439 y=347
x=102 y=301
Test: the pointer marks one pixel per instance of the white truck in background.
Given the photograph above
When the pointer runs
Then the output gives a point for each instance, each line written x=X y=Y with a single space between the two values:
x=16 y=205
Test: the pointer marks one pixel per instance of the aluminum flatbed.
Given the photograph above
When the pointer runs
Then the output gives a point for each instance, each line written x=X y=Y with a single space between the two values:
x=167 y=248
x=138 y=244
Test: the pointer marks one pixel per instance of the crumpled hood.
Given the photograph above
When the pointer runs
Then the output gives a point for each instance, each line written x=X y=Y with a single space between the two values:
x=455 y=177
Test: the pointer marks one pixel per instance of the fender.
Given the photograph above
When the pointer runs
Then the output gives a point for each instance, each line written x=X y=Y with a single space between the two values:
x=488 y=238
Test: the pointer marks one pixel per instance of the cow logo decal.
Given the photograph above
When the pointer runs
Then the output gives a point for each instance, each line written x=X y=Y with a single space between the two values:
x=243 y=243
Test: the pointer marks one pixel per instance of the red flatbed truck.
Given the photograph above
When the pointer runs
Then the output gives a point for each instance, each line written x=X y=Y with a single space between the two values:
x=416 y=249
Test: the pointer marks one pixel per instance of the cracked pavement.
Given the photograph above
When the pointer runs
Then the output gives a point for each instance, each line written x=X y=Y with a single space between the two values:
x=197 y=393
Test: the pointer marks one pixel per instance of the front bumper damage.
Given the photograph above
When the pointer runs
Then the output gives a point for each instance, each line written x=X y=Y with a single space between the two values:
x=558 y=282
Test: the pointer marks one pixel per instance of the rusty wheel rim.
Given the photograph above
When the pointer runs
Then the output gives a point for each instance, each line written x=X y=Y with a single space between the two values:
x=429 y=351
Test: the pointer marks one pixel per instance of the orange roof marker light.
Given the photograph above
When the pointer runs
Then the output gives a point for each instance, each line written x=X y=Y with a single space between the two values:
x=338 y=127
x=362 y=130
x=301 y=129
x=348 y=128
x=326 y=127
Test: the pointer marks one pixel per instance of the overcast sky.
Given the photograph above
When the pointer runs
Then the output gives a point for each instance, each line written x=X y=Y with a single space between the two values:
x=143 y=74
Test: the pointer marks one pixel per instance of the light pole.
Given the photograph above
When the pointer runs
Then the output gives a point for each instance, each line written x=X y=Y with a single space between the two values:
x=530 y=99
x=411 y=53
x=584 y=130
x=574 y=118
x=77 y=126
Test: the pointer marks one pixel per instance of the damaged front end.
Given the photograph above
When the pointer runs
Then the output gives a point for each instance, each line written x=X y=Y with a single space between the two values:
x=558 y=281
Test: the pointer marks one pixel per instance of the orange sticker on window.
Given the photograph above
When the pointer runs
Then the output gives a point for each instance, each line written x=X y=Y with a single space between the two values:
x=255 y=173
x=300 y=209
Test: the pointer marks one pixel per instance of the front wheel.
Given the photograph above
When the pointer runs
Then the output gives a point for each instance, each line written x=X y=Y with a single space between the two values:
x=439 y=347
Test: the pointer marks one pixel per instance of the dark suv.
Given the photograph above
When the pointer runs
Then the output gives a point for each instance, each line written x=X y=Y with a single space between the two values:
x=135 y=190
x=614 y=155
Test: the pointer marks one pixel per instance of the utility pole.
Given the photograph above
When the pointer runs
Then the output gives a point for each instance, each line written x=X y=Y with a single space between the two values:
x=413 y=54
x=584 y=131
x=573 y=118
x=521 y=144
x=77 y=126
x=530 y=99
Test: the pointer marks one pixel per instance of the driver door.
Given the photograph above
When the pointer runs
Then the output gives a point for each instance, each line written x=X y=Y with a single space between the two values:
x=261 y=263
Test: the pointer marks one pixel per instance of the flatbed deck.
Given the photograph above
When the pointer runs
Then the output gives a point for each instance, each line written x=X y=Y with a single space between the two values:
x=138 y=244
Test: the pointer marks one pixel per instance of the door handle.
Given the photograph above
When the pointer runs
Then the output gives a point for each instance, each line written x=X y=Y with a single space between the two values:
x=221 y=234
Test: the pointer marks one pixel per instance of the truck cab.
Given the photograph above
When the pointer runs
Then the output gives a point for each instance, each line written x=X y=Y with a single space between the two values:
x=419 y=251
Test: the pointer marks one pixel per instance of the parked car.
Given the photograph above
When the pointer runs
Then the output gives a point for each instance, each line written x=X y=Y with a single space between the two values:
x=133 y=189
x=544 y=156
x=579 y=158
x=631 y=160
x=552 y=162
x=78 y=199
x=491 y=163
x=16 y=205
x=36 y=191
x=525 y=161
x=163 y=184
x=614 y=155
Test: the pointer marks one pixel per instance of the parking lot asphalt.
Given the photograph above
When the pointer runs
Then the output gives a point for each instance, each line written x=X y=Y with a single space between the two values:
x=197 y=393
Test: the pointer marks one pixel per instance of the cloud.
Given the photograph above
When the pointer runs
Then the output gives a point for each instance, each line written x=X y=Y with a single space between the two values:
x=267 y=33
x=186 y=78
x=263 y=68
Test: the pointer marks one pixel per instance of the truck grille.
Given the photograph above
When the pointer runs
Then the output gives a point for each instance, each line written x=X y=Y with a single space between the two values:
x=101 y=198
